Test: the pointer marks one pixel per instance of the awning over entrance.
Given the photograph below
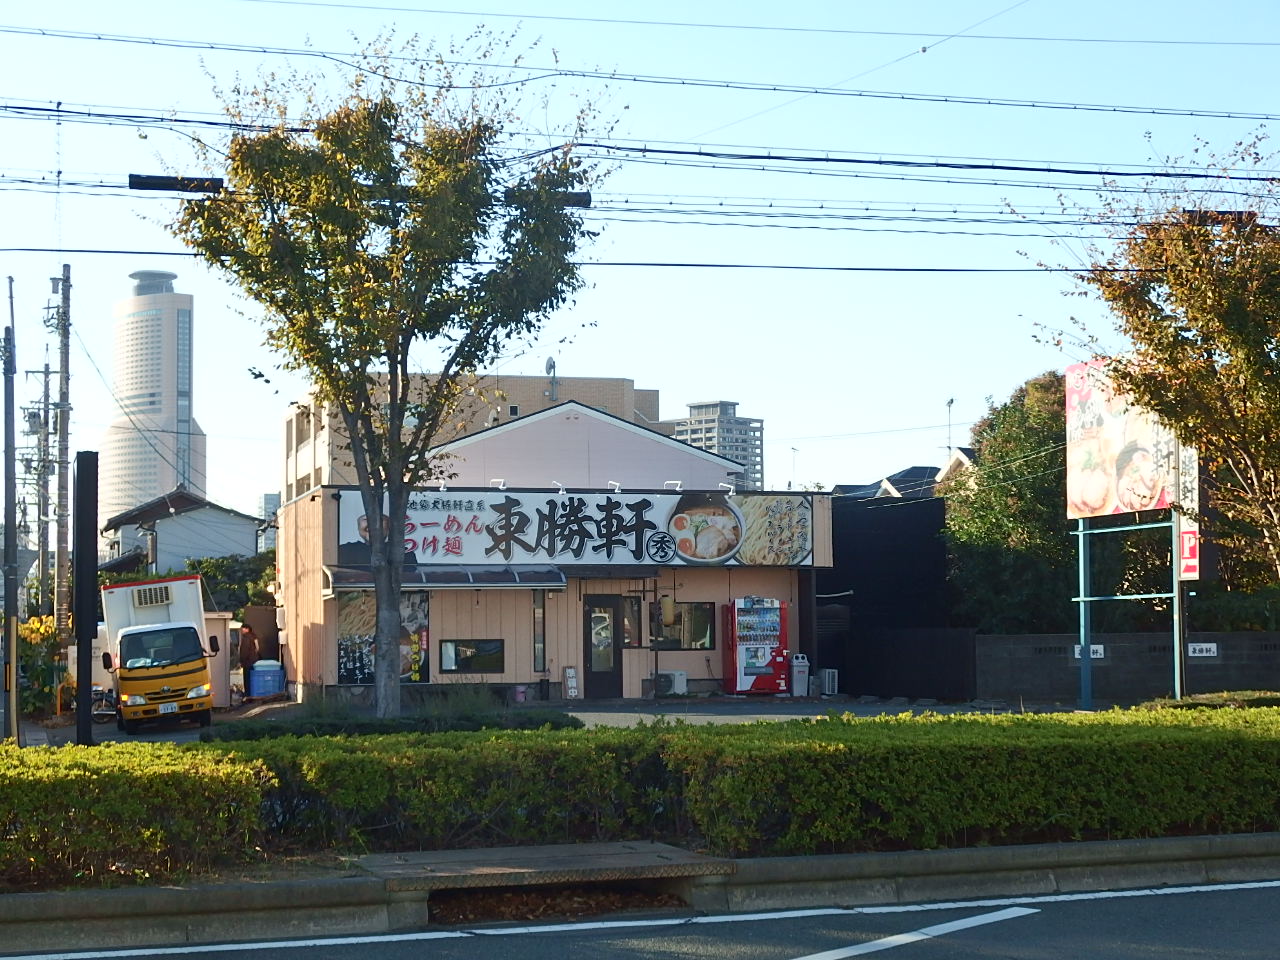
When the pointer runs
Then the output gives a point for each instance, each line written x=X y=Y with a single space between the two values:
x=443 y=576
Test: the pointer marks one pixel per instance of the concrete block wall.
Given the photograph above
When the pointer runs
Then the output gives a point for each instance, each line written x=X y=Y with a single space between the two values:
x=1133 y=667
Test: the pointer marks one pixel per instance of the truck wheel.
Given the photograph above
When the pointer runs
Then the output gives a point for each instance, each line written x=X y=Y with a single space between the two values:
x=119 y=721
x=205 y=717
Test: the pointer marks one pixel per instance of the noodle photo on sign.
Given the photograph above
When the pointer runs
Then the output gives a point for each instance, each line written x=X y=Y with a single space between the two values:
x=1120 y=458
x=779 y=530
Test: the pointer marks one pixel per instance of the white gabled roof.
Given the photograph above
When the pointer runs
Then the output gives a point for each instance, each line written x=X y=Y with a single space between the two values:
x=580 y=446
x=524 y=422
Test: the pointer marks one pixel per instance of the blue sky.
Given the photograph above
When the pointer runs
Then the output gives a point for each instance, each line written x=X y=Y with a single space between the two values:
x=851 y=370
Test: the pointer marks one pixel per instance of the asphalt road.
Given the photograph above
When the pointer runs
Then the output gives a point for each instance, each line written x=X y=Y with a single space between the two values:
x=1228 y=922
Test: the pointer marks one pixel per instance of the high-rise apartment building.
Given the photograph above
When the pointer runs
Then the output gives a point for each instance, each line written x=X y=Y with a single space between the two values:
x=268 y=506
x=154 y=444
x=717 y=428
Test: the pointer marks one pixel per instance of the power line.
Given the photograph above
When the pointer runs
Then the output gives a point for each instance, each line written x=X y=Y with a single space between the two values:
x=922 y=164
x=121 y=115
x=767 y=28
x=544 y=73
x=808 y=267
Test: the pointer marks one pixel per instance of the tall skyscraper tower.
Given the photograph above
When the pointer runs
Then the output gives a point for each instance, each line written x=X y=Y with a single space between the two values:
x=154 y=444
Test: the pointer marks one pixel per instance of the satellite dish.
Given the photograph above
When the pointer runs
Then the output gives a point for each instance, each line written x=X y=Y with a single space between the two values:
x=551 y=366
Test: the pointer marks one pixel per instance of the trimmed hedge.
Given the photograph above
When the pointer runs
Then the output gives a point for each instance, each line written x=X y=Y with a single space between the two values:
x=411 y=791
x=123 y=813
x=922 y=782
x=836 y=784
x=1234 y=698
x=349 y=724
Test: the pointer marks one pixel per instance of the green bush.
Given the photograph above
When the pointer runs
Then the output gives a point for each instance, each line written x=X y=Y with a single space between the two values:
x=122 y=813
x=1230 y=698
x=464 y=789
x=919 y=782
x=834 y=784
x=344 y=722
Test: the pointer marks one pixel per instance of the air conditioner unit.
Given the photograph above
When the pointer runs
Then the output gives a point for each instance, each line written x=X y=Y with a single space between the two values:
x=830 y=681
x=668 y=683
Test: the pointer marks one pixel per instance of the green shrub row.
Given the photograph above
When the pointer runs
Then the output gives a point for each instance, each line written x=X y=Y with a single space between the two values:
x=340 y=723
x=123 y=813
x=410 y=791
x=835 y=784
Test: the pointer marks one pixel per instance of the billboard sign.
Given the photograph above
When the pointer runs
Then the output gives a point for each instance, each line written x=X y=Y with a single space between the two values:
x=1120 y=458
x=500 y=527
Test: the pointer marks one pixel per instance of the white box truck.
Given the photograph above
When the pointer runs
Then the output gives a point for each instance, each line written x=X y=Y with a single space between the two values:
x=156 y=654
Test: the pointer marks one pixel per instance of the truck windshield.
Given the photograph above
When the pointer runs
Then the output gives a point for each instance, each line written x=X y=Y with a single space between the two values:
x=158 y=648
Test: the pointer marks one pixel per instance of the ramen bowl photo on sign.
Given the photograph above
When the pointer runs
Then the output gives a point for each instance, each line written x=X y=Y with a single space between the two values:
x=706 y=528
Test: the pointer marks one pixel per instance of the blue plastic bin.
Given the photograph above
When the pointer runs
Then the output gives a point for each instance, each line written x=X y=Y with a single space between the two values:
x=265 y=681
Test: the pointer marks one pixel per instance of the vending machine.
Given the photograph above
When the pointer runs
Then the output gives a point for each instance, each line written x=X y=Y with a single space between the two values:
x=755 y=646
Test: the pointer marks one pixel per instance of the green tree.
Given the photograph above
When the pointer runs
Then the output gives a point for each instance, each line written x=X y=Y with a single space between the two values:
x=1013 y=562
x=232 y=583
x=383 y=235
x=1196 y=293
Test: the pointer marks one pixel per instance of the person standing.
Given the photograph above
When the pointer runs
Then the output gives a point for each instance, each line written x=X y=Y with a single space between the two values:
x=248 y=651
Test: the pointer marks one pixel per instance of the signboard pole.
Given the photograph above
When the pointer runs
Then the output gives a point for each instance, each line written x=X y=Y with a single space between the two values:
x=1175 y=569
x=1084 y=592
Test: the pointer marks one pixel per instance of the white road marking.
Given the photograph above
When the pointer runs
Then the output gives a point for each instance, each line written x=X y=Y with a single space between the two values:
x=633 y=924
x=915 y=936
x=1073 y=897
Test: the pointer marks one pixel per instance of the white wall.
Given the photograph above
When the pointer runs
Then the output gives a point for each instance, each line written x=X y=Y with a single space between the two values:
x=204 y=532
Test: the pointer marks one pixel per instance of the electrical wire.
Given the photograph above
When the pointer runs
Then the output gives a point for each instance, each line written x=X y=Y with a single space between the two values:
x=767 y=28
x=773 y=157
x=816 y=268
x=543 y=73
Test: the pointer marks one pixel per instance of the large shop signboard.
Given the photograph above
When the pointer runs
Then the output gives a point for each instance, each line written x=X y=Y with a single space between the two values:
x=616 y=528
x=1120 y=458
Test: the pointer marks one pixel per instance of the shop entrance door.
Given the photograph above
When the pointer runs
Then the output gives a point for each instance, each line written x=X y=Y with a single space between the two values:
x=602 y=635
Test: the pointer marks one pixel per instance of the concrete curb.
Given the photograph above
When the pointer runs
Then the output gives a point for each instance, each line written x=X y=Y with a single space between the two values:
x=1027 y=870
x=365 y=905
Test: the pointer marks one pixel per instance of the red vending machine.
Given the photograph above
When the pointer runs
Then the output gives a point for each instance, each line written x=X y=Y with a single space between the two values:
x=755 y=646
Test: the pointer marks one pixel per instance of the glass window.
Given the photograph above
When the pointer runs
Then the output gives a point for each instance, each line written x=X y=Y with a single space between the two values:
x=601 y=639
x=631 y=621
x=539 y=631
x=472 y=656
x=683 y=626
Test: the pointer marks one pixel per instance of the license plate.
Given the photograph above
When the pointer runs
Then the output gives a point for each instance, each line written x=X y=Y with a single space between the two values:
x=168 y=708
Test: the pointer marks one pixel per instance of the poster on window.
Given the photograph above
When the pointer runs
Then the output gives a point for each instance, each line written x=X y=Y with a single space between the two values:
x=357 y=625
x=696 y=528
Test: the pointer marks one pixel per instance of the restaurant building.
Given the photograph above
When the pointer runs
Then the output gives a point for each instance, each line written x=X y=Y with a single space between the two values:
x=572 y=553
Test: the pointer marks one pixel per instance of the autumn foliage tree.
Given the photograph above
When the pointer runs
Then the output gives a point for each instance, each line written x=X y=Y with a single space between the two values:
x=383 y=236
x=1196 y=293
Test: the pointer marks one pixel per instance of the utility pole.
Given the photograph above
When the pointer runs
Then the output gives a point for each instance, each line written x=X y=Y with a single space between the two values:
x=41 y=430
x=62 y=562
x=12 y=724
